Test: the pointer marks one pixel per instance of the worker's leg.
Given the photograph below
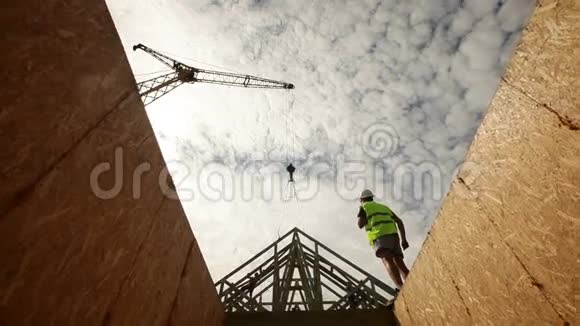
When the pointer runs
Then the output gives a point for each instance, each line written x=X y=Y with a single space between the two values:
x=403 y=270
x=391 y=267
x=388 y=248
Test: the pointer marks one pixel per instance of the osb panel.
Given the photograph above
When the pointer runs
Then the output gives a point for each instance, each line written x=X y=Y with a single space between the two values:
x=62 y=71
x=527 y=179
x=546 y=64
x=493 y=286
x=148 y=293
x=430 y=296
x=402 y=310
x=68 y=257
x=196 y=289
x=577 y=284
x=65 y=252
x=507 y=230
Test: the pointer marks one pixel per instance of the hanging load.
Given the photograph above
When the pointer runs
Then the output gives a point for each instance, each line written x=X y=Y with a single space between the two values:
x=290 y=168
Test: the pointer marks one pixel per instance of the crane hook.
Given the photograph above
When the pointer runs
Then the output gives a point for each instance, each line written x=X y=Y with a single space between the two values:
x=290 y=168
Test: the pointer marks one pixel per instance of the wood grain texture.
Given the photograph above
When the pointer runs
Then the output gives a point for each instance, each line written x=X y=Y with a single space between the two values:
x=546 y=64
x=531 y=192
x=506 y=232
x=149 y=290
x=196 y=289
x=439 y=302
x=59 y=80
x=70 y=257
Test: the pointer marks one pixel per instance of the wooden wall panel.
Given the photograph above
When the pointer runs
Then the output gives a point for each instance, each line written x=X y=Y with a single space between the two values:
x=507 y=230
x=68 y=256
x=58 y=83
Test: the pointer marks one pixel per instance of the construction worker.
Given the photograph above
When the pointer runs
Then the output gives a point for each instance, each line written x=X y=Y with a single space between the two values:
x=383 y=228
x=250 y=284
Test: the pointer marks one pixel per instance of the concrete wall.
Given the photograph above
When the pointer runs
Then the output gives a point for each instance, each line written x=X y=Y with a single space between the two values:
x=503 y=249
x=68 y=100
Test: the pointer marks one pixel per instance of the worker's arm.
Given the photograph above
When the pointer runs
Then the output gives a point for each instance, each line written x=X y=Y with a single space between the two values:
x=401 y=228
x=362 y=221
x=362 y=218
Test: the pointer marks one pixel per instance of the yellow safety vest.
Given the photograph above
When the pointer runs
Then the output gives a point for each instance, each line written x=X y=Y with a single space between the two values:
x=380 y=220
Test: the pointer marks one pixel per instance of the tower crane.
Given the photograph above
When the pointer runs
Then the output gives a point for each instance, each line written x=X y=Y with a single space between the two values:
x=154 y=88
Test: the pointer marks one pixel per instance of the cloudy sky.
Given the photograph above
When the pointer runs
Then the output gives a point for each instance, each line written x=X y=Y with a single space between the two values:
x=388 y=96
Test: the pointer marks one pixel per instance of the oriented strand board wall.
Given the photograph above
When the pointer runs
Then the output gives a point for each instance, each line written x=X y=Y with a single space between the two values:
x=503 y=249
x=68 y=100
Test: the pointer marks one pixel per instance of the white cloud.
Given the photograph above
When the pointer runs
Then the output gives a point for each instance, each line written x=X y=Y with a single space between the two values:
x=427 y=68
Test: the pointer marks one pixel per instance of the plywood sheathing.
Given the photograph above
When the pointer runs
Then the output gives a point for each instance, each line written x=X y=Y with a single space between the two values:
x=440 y=302
x=155 y=275
x=69 y=257
x=546 y=64
x=531 y=194
x=195 y=279
x=58 y=83
x=506 y=233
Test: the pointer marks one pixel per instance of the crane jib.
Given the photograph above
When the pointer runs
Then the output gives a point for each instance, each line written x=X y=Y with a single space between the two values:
x=152 y=89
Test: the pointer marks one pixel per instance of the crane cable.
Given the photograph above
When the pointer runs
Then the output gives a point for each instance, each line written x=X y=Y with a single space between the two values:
x=286 y=195
x=198 y=62
x=143 y=76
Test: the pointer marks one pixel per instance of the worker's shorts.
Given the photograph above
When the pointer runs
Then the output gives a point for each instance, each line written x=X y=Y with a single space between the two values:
x=390 y=243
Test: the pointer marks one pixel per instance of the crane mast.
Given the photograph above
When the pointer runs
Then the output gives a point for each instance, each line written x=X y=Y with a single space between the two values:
x=154 y=88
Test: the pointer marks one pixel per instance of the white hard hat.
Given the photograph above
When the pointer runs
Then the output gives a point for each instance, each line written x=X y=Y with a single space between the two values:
x=366 y=194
